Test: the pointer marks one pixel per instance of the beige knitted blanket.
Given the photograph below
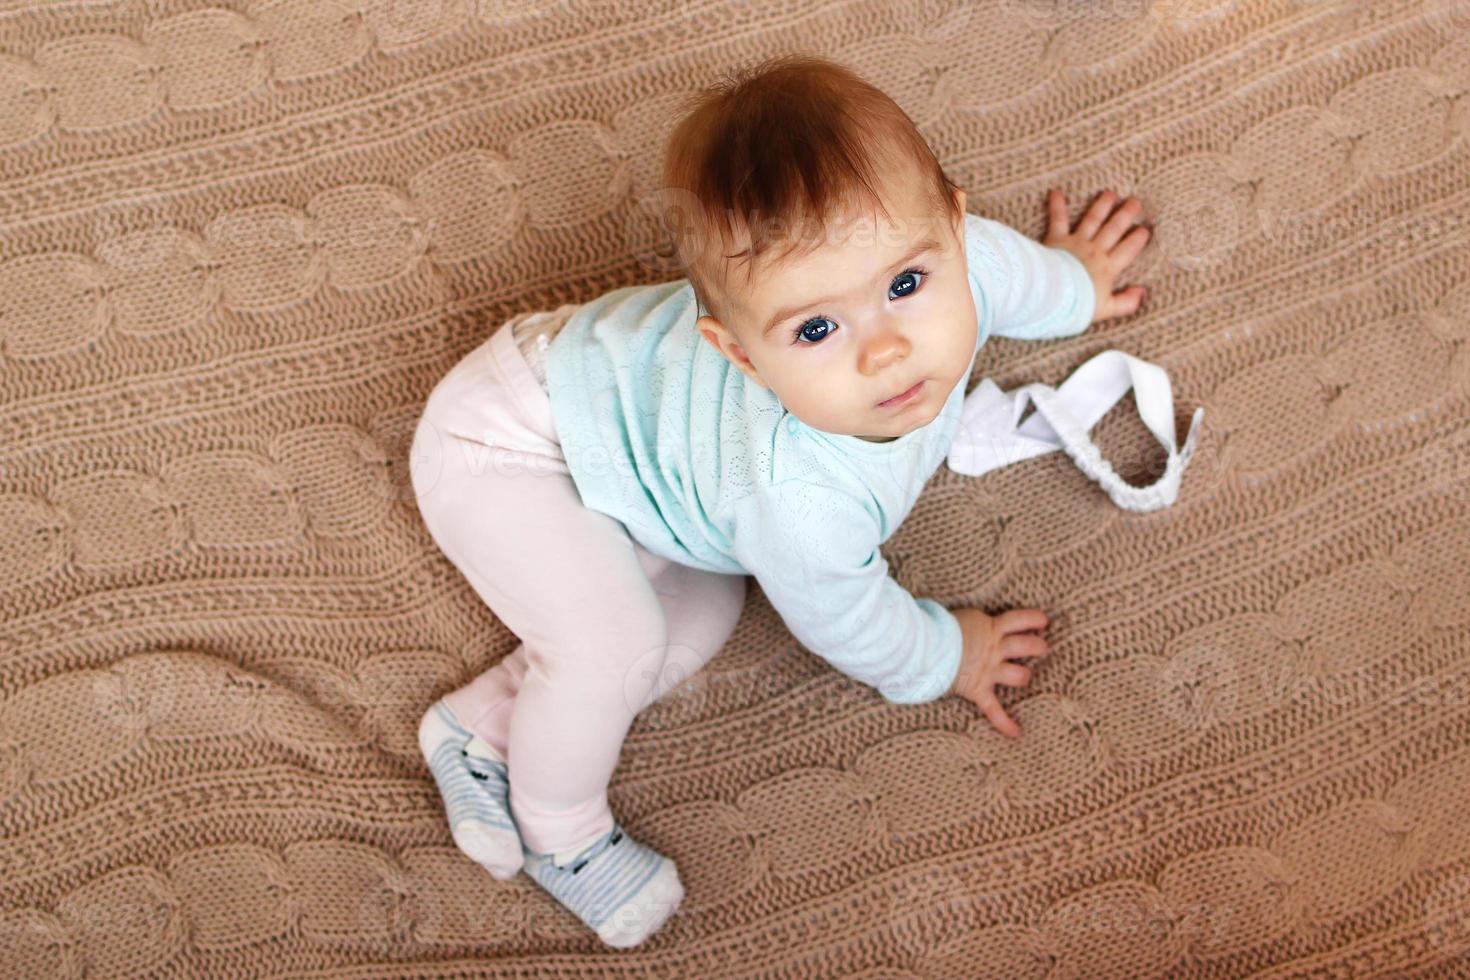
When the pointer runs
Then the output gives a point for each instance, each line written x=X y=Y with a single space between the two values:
x=241 y=241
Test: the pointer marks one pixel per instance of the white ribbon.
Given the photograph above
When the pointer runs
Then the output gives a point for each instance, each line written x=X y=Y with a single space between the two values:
x=989 y=438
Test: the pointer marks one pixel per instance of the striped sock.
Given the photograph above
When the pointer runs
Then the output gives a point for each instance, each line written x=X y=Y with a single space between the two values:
x=473 y=780
x=622 y=889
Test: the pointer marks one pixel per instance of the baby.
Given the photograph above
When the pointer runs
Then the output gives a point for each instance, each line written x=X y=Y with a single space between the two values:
x=607 y=475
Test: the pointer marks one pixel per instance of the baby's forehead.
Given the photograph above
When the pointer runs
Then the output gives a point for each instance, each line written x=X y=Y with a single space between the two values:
x=732 y=273
x=849 y=237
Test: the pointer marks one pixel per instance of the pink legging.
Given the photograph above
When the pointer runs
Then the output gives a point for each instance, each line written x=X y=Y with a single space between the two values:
x=607 y=627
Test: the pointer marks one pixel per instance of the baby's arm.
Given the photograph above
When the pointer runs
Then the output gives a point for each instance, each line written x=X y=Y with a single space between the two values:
x=814 y=551
x=1055 y=288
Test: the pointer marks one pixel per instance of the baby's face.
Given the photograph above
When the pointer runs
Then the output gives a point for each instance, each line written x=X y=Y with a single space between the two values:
x=861 y=318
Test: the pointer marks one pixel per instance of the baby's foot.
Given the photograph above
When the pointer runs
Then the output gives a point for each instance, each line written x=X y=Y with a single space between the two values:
x=622 y=889
x=472 y=779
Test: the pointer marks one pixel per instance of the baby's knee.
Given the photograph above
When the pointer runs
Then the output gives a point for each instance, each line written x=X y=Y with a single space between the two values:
x=615 y=639
x=627 y=673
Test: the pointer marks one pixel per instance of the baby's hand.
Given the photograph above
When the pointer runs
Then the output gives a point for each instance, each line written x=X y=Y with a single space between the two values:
x=988 y=642
x=1103 y=248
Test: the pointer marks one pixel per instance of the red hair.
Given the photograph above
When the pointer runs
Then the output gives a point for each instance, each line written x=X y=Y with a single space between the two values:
x=796 y=139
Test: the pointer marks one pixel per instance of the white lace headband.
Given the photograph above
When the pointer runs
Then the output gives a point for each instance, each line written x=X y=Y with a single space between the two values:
x=989 y=437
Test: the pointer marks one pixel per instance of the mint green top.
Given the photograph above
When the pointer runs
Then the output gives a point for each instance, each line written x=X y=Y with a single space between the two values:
x=705 y=467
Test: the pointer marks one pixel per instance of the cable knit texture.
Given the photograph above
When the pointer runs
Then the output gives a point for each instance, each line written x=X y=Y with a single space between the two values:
x=240 y=243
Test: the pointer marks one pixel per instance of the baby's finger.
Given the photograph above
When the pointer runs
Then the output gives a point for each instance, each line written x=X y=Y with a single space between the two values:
x=998 y=716
x=1013 y=675
x=1020 y=620
x=1124 y=252
x=1023 y=645
x=1093 y=219
x=1119 y=223
x=1125 y=302
x=1056 y=205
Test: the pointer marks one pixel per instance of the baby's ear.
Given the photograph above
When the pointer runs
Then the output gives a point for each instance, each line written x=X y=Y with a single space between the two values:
x=718 y=336
x=709 y=328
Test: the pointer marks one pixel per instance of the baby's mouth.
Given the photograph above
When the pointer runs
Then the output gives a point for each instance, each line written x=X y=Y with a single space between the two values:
x=904 y=397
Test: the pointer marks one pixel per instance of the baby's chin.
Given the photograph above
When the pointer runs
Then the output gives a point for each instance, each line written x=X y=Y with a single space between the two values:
x=920 y=417
x=919 y=421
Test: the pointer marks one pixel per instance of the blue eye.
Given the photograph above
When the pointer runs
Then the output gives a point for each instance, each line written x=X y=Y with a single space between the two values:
x=902 y=290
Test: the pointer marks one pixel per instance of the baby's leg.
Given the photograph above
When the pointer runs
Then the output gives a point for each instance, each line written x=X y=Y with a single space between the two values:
x=701 y=610
x=575 y=703
x=569 y=582
x=498 y=498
